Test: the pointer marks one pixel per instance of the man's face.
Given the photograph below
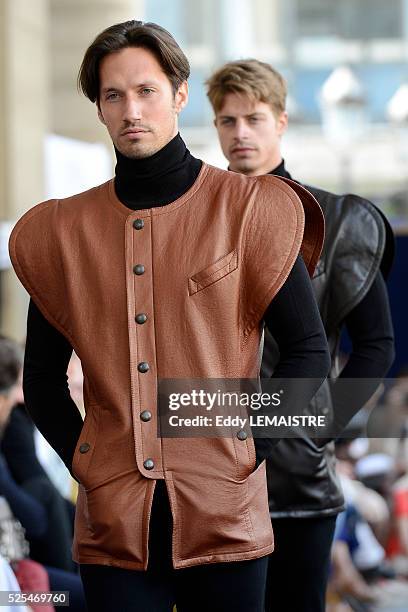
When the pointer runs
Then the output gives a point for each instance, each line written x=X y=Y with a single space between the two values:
x=137 y=103
x=250 y=134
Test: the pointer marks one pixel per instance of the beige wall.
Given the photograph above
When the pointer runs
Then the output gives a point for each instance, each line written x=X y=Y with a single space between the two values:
x=74 y=24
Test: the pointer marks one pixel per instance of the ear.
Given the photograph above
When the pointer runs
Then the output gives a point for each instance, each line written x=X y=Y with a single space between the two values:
x=100 y=116
x=282 y=123
x=181 y=97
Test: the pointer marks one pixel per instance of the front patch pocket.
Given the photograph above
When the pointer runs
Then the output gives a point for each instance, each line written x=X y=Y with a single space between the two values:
x=213 y=273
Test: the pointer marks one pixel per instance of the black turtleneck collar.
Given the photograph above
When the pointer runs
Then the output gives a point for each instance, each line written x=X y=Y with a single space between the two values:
x=156 y=180
x=280 y=170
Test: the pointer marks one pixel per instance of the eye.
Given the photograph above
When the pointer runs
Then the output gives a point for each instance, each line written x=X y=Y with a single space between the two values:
x=226 y=121
x=112 y=96
x=147 y=91
x=253 y=119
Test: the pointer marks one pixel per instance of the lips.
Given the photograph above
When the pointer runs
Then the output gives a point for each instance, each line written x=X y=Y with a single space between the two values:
x=133 y=131
x=242 y=149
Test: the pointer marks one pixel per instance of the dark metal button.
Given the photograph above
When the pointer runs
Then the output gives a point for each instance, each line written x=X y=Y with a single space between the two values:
x=148 y=464
x=138 y=224
x=146 y=415
x=138 y=269
x=141 y=318
x=84 y=448
x=242 y=435
x=143 y=367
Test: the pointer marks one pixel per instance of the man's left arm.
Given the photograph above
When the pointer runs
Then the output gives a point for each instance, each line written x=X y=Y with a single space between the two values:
x=304 y=360
x=370 y=328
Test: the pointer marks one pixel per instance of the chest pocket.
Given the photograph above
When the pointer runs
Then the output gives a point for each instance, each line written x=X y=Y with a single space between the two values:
x=213 y=273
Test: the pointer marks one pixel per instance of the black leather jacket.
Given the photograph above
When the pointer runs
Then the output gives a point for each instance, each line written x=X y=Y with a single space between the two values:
x=302 y=480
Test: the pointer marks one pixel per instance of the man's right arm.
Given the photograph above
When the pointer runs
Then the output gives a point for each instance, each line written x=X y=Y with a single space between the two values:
x=45 y=384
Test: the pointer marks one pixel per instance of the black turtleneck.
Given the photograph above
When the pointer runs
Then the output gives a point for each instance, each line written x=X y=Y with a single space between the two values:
x=292 y=317
x=156 y=180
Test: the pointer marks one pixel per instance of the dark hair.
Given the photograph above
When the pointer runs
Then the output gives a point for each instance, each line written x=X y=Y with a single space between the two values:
x=11 y=361
x=132 y=34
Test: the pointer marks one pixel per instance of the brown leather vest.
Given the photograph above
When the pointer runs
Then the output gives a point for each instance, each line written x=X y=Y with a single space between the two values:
x=213 y=260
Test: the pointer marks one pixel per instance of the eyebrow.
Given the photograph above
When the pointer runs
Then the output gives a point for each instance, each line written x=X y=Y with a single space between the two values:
x=257 y=114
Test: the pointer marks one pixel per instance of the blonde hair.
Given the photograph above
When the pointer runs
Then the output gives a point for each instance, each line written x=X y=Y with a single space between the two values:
x=252 y=78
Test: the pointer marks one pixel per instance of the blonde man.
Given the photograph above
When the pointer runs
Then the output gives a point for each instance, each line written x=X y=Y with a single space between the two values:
x=249 y=102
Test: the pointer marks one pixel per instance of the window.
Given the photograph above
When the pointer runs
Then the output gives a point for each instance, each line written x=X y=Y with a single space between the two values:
x=353 y=19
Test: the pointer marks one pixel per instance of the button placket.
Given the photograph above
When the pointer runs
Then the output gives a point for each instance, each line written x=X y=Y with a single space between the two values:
x=143 y=356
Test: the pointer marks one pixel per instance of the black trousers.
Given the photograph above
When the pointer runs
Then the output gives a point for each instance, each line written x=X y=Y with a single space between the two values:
x=299 y=566
x=216 y=587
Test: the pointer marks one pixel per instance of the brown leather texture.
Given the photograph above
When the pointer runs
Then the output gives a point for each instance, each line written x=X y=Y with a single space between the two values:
x=213 y=261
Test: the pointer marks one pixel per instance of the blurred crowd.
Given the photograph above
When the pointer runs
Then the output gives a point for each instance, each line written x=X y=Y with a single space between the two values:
x=370 y=550
x=37 y=503
x=37 y=497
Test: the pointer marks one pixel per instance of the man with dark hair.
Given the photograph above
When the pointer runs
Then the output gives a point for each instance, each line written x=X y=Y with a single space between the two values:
x=249 y=98
x=158 y=274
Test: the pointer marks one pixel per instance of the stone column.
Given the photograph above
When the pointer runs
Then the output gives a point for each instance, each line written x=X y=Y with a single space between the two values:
x=23 y=124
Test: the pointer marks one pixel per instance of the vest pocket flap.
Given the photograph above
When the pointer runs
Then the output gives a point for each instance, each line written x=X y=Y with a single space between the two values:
x=213 y=273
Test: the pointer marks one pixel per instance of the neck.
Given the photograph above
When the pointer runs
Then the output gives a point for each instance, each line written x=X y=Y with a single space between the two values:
x=265 y=168
x=280 y=170
x=156 y=180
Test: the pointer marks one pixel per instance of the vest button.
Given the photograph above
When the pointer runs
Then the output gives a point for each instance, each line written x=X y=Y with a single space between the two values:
x=145 y=416
x=242 y=435
x=141 y=318
x=148 y=464
x=84 y=448
x=138 y=269
x=138 y=224
x=143 y=367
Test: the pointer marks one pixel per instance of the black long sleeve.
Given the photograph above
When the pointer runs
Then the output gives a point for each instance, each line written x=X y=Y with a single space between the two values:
x=45 y=385
x=370 y=328
x=371 y=332
x=294 y=321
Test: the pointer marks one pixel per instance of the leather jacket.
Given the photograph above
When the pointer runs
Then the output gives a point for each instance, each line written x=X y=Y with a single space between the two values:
x=302 y=479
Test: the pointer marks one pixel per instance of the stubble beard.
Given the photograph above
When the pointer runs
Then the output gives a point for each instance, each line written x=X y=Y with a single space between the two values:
x=140 y=150
x=134 y=150
x=243 y=166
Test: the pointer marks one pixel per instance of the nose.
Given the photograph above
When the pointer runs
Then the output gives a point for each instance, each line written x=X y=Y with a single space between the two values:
x=241 y=130
x=132 y=111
